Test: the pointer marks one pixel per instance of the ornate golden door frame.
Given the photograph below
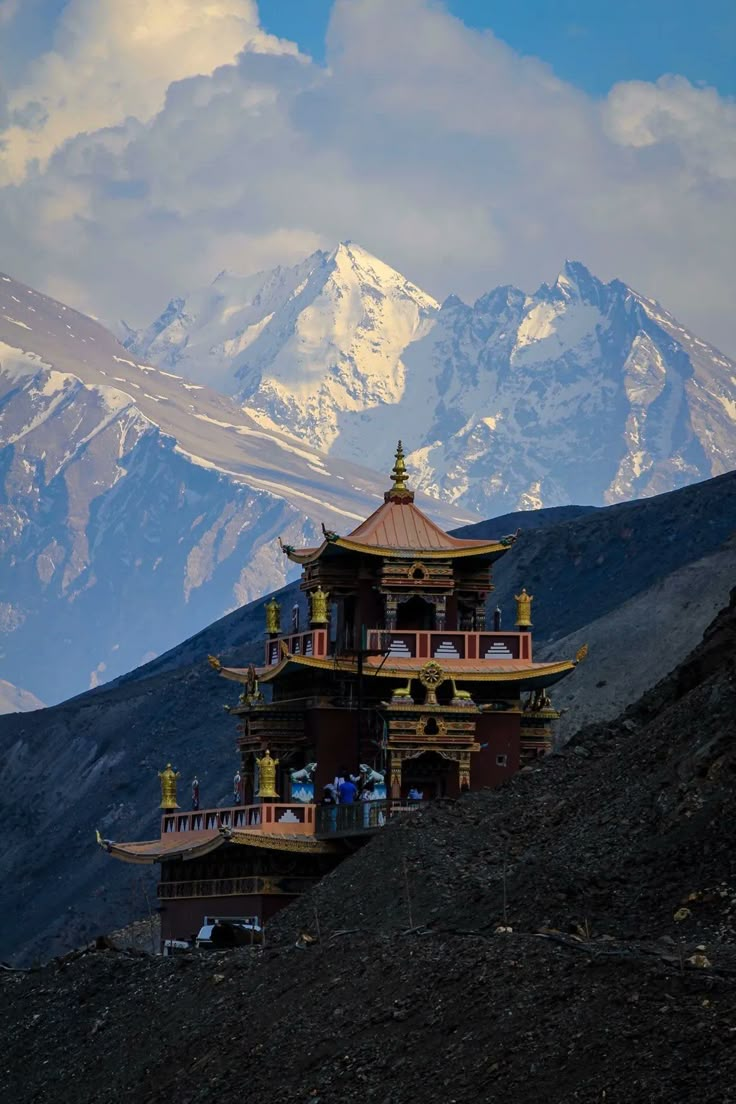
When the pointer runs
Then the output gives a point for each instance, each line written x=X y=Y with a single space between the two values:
x=397 y=758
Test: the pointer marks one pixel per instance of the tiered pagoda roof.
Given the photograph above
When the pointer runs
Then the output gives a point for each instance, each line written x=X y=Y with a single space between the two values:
x=399 y=528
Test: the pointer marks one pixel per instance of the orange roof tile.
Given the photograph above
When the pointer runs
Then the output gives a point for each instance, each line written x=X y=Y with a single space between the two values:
x=403 y=525
x=185 y=845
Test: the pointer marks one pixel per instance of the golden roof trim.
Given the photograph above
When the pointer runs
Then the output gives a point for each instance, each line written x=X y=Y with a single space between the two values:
x=167 y=849
x=483 y=548
x=282 y=842
x=386 y=671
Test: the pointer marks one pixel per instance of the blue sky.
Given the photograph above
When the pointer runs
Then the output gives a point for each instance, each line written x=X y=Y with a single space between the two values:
x=592 y=44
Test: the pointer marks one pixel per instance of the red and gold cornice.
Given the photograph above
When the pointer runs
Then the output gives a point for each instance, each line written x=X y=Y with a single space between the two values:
x=514 y=671
x=491 y=549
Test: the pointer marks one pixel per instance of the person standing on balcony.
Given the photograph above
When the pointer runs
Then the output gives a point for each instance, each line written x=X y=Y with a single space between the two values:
x=347 y=791
x=366 y=796
x=329 y=802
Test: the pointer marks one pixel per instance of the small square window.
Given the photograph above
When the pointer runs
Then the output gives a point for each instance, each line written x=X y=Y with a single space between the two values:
x=501 y=760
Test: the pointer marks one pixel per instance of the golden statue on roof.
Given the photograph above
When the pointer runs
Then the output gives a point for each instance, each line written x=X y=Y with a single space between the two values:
x=523 y=609
x=267 y=775
x=168 y=779
x=318 y=611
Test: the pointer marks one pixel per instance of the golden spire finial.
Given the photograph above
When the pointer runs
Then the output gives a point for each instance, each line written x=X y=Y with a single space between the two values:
x=398 y=473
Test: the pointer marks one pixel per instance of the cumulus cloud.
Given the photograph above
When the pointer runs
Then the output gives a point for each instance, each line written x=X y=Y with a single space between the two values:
x=113 y=59
x=435 y=146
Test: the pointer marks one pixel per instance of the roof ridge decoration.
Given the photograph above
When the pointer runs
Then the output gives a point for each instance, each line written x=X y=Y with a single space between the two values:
x=399 y=491
x=398 y=529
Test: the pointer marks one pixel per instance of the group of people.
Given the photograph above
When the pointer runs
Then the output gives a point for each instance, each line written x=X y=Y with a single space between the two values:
x=354 y=791
x=346 y=789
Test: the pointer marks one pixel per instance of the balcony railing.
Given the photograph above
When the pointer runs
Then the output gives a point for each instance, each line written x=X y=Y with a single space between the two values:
x=231 y=887
x=362 y=816
x=293 y=818
x=290 y=819
x=445 y=645
x=312 y=643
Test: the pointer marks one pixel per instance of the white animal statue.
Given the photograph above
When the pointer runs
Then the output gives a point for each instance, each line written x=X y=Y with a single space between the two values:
x=306 y=774
x=370 y=775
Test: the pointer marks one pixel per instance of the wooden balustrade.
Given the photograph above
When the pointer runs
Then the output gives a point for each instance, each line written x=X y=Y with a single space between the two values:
x=448 y=645
x=444 y=645
x=289 y=819
x=285 y=818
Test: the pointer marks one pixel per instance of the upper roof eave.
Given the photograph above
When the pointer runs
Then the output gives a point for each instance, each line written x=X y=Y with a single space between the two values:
x=178 y=845
x=525 y=674
x=491 y=550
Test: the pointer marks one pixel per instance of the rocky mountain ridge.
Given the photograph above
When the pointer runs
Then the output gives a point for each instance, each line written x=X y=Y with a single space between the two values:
x=579 y=392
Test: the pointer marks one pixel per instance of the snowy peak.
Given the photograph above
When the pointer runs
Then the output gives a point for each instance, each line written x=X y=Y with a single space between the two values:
x=582 y=391
x=352 y=262
x=296 y=344
x=575 y=283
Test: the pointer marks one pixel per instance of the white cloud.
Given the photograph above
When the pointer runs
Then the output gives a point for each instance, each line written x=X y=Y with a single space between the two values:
x=435 y=146
x=113 y=59
x=696 y=123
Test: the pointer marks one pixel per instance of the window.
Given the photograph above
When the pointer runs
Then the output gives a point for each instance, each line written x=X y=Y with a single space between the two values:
x=501 y=760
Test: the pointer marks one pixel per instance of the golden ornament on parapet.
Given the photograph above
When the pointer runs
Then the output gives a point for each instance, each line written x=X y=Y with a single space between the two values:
x=523 y=609
x=168 y=779
x=214 y=662
x=581 y=653
x=267 y=775
x=318 y=612
x=273 y=617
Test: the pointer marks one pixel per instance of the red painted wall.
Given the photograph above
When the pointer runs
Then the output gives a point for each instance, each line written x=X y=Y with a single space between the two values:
x=501 y=732
x=335 y=737
x=183 y=919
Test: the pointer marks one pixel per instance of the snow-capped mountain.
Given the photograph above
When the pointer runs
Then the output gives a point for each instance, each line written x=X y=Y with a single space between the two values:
x=299 y=346
x=581 y=392
x=136 y=506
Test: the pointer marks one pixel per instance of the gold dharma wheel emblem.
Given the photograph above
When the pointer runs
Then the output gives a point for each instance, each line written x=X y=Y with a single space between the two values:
x=431 y=676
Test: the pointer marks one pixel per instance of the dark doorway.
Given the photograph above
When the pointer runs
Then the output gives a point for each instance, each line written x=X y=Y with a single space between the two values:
x=417 y=613
x=431 y=774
